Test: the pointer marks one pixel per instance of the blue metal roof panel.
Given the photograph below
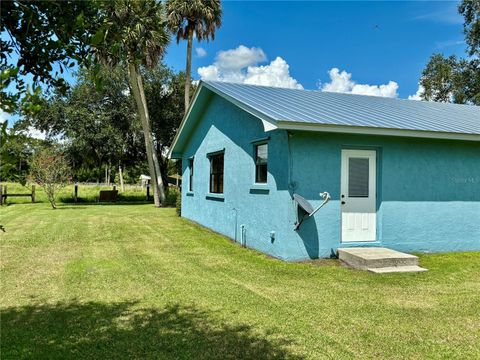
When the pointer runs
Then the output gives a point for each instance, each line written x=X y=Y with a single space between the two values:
x=317 y=107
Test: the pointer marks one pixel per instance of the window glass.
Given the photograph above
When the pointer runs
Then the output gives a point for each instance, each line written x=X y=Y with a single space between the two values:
x=358 y=177
x=216 y=173
x=261 y=159
x=190 y=179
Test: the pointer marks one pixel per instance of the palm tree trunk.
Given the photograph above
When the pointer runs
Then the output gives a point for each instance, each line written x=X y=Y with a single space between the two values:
x=158 y=171
x=136 y=84
x=188 y=69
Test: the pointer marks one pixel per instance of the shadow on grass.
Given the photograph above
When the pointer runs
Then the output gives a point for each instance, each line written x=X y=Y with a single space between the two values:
x=94 y=200
x=70 y=207
x=121 y=331
x=85 y=205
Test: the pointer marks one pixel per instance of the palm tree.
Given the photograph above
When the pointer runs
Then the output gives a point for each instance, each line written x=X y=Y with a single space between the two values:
x=133 y=33
x=189 y=17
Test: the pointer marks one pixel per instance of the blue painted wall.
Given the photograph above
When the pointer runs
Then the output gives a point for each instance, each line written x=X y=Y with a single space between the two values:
x=262 y=209
x=428 y=191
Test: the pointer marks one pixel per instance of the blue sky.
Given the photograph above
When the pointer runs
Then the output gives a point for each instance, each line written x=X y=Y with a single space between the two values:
x=376 y=42
x=375 y=47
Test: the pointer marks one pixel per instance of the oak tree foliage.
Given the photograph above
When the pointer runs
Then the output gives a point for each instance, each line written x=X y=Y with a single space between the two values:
x=453 y=79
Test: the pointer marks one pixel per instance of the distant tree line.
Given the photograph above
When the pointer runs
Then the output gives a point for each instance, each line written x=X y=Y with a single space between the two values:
x=123 y=93
x=97 y=127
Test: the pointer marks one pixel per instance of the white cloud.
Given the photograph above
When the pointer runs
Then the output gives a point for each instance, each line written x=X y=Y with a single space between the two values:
x=275 y=74
x=240 y=65
x=201 y=52
x=418 y=94
x=239 y=58
x=209 y=72
x=341 y=82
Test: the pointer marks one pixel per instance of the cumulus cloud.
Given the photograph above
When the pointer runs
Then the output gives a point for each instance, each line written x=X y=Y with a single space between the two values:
x=418 y=94
x=201 y=52
x=341 y=82
x=239 y=58
x=240 y=65
x=277 y=74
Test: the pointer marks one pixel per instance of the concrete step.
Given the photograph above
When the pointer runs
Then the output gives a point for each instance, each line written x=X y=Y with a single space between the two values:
x=364 y=258
x=397 y=269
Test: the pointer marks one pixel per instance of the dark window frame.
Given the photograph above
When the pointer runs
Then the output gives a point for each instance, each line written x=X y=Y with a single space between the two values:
x=190 y=175
x=261 y=168
x=217 y=171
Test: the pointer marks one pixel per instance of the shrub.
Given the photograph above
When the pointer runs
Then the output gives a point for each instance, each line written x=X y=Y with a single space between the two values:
x=179 y=204
x=171 y=196
x=51 y=171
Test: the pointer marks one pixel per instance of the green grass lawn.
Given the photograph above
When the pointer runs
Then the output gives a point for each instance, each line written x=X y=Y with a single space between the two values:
x=132 y=281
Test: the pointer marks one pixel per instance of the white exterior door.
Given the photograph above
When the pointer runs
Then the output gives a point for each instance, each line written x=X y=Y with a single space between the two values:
x=358 y=195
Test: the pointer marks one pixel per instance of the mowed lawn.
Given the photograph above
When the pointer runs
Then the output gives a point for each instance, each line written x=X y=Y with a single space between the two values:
x=132 y=281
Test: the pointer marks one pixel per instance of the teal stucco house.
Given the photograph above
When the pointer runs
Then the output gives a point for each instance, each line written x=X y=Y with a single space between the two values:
x=399 y=173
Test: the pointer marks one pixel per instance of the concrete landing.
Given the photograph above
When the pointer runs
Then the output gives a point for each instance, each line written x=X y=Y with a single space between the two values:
x=396 y=269
x=379 y=260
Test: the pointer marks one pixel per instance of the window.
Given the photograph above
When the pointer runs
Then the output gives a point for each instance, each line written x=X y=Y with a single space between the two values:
x=216 y=173
x=261 y=157
x=190 y=178
x=357 y=177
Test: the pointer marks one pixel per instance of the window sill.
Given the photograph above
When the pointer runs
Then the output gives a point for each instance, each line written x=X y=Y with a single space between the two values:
x=214 y=196
x=259 y=189
x=260 y=186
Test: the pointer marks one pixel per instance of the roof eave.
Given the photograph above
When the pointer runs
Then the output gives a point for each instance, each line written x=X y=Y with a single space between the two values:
x=364 y=130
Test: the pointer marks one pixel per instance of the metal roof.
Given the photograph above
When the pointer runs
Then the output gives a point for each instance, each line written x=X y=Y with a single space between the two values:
x=314 y=110
x=328 y=108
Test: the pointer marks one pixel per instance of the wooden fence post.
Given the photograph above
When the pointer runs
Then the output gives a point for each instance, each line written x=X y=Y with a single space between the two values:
x=5 y=193
x=75 y=196
x=1 y=194
x=33 y=193
x=148 y=191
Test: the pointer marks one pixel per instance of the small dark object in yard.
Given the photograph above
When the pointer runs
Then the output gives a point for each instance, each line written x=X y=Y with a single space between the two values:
x=108 y=196
x=2 y=228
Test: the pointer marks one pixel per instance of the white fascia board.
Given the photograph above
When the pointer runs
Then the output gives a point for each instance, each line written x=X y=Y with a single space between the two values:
x=289 y=125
